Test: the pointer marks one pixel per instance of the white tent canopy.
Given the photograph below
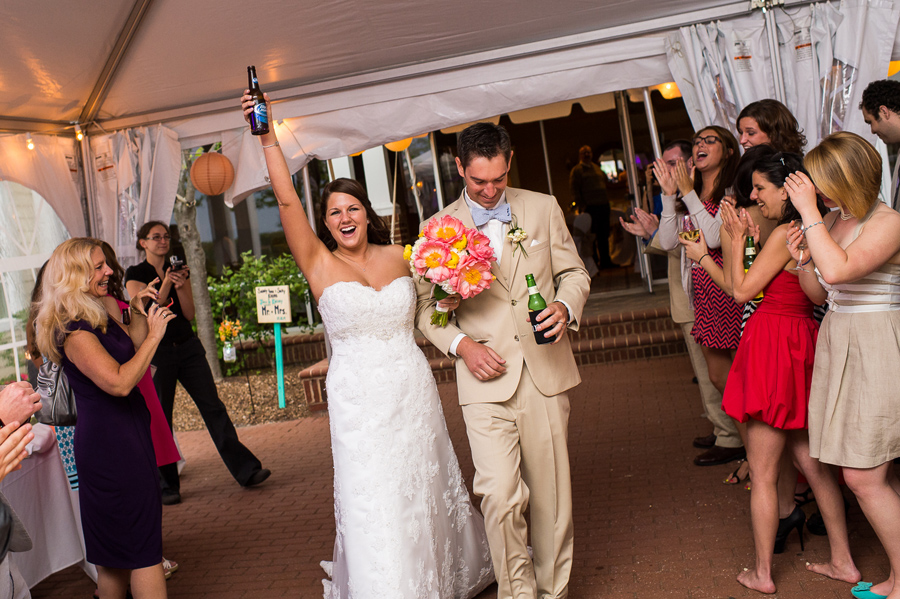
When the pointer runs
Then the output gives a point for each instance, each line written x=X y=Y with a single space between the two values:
x=346 y=75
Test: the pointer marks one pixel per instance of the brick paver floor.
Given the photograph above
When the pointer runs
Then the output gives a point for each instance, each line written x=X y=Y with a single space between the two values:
x=648 y=523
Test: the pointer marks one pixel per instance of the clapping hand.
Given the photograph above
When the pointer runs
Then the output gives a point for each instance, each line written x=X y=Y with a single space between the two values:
x=752 y=227
x=736 y=226
x=684 y=177
x=13 y=439
x=666 y=177
x=643 y=224
x=158 y=318
x=695 y=250
x=137 y=303
x=18 y=402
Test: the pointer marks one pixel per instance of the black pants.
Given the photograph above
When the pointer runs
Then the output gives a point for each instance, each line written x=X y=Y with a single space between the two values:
x=186 y=363
x=600 y=227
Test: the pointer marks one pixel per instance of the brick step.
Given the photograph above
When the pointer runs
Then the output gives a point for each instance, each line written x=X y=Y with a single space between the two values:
x=619 y=337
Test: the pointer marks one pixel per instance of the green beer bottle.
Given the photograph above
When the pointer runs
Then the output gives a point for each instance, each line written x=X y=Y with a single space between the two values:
x=749 y=257
x=536 y=305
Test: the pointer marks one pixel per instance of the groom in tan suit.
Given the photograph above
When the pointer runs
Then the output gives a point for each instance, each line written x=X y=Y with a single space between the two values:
x=513 y=391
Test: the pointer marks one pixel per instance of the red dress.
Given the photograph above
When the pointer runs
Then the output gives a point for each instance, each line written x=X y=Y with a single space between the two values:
x=717 y=319
x=770 y=378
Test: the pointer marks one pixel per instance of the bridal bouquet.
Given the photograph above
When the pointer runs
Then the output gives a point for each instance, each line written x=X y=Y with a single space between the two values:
x=453 y=258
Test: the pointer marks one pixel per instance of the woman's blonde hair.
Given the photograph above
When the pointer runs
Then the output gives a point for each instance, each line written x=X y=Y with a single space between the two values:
x=65 y=295
x=847 y=169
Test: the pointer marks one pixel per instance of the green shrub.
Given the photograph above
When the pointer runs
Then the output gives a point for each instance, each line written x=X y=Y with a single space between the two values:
x=233 y=296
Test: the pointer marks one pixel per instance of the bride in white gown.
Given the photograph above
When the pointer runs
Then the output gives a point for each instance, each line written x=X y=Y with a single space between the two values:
x=405 y=526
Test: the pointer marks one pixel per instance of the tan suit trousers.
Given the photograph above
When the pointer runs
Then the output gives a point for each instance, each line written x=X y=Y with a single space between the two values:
x=521 y=456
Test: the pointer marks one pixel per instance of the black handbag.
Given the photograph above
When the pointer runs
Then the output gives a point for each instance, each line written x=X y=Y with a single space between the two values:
x=58 y=401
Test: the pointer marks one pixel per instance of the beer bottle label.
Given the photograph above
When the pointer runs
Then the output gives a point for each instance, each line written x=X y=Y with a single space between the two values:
x=255 y=83
x=261 y=115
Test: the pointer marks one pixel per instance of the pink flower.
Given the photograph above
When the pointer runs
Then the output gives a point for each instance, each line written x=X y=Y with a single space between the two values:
x=446 y=229
x=432 y=260
x=472 y=276
x=480 y=246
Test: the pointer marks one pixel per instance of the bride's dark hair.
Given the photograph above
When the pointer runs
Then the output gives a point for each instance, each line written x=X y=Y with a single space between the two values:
x=377 y=231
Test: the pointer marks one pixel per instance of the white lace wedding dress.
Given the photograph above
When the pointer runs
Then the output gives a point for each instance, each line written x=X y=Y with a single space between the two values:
x=405 y=525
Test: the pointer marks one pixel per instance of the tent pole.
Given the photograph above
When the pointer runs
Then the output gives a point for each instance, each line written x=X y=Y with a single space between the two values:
x=87 y=172
x=546 y=157
x=436 y=164
x=651 y=121
x=631 y=171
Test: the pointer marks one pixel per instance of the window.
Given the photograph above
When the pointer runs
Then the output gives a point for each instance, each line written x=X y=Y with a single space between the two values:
x=29 y=232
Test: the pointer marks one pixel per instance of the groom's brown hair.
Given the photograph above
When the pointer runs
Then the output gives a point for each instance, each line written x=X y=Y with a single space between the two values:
x=484 y=140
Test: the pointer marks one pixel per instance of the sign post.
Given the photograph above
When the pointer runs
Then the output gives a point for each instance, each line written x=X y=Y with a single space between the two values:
x=273 y=305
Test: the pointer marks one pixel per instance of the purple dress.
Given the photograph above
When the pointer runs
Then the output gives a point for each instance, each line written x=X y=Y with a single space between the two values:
x=121 y=507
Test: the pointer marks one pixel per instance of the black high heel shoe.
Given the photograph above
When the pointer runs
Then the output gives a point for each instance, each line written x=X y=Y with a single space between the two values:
x=785 y=525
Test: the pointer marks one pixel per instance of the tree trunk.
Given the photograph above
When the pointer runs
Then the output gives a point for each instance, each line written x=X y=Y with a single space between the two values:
x=186 y=217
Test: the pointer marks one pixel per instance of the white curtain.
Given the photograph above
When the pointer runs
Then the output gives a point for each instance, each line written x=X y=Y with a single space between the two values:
x=49 y=169
x=828 y=55
x=135 y=175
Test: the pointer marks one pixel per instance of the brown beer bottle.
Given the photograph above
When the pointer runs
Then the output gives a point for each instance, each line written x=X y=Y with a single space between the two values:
x=259 y=118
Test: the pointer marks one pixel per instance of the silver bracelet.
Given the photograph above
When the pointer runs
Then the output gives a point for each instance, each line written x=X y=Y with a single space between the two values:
x=805 y=229
x=276 y=144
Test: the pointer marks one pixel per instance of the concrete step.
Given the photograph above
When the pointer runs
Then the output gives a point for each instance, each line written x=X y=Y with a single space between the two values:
x=615 y=337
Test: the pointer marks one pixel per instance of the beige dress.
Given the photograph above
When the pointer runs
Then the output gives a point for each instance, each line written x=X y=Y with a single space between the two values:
x=854 y=403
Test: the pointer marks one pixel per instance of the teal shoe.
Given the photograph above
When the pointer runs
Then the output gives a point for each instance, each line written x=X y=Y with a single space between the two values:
x=861 y=591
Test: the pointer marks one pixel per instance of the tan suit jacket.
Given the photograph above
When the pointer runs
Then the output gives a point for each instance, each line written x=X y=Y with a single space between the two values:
x=498 y=316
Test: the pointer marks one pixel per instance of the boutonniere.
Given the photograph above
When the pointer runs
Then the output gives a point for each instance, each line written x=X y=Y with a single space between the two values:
x=516 y=235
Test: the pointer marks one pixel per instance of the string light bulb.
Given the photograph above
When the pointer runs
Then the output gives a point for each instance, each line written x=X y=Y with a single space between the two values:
x=79 y=134
x=29 y=143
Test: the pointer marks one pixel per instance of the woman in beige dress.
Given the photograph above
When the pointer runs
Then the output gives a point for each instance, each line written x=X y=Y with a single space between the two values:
x=854 y=261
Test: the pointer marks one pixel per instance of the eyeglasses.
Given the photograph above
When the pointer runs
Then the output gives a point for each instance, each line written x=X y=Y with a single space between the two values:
x=708 y=140
x=158 y=238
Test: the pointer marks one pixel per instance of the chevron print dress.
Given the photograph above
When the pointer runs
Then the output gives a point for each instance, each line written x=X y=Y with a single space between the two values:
x=717 y=318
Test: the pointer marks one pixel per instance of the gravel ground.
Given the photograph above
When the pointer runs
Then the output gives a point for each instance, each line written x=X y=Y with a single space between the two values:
x=253 y=404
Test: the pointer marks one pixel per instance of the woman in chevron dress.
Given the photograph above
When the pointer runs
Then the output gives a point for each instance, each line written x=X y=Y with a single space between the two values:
x=717 y=318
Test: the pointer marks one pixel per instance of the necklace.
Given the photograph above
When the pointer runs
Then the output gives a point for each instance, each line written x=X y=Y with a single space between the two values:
x=354 y=263
x=845 y=216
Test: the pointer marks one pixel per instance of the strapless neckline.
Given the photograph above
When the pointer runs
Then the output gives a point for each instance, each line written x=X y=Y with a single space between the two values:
x=364 y=286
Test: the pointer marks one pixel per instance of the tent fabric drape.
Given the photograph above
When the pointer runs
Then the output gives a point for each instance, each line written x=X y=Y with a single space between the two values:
x=49 y=169
x=828 y=55
x=135 y=175
x=410 y=108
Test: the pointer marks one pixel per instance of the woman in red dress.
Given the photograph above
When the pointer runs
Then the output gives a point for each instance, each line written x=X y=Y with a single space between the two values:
x=768 y=386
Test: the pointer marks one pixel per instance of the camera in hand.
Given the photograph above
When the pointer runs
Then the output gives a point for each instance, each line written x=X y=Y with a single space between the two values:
x=177 y=262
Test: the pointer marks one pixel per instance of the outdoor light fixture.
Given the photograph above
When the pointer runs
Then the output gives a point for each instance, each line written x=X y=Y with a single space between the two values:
x=29 y=143
x=79 y=134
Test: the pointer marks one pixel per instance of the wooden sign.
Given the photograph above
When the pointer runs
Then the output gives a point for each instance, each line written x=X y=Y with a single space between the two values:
x=273 y=304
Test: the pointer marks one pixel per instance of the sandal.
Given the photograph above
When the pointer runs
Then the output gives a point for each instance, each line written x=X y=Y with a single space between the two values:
x=169 y=567
x=735 y=477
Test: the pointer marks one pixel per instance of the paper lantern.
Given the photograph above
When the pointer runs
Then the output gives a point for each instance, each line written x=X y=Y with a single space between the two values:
x=399 y=146
x=212 y=174
x=893 y=68
x=669 y=90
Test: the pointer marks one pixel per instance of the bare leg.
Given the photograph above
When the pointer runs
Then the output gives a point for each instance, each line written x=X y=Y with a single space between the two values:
x=764 y=450
x=718 y=363
x=149 y=583
x=831 y=504
x=787 y=483
x=880 y=503
x=112 y=583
